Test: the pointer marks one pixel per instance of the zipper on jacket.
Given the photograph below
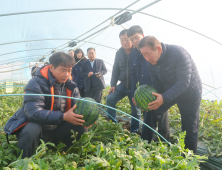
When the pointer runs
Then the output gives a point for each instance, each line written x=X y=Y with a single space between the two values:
x=127 y=73
x=61 y=91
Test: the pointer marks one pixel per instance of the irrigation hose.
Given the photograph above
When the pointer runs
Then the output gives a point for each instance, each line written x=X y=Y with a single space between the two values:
x=100 y=108
x=211 y=91
x=108 y=114
x=90 y=102
x=105 y=112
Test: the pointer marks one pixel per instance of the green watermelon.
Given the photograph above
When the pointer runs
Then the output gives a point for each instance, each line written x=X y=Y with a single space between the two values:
x=143 y=96
x=90 y=111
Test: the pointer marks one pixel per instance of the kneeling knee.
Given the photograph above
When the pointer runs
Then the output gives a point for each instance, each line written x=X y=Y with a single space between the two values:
x=32 y=130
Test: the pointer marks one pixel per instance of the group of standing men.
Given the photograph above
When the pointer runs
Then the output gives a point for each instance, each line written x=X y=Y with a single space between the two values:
x=170 y=70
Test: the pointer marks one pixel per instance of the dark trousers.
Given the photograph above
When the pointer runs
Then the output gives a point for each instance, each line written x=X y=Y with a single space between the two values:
x=82 y=92
x=96 y=93
x=150 y=118
x=113 y=98
x=29 y=136
x=189 y=111
x=163 y=126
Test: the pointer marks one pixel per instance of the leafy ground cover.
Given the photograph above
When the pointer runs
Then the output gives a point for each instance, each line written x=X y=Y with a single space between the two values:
x=108 y=146
x=210 y=127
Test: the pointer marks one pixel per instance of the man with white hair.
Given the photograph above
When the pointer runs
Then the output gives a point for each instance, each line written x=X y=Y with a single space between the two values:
x=176 y=78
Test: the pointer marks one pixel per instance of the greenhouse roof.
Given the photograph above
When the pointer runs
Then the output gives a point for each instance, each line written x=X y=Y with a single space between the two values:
x=31 y=30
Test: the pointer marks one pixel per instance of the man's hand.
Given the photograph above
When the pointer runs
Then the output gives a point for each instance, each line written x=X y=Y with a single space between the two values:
x=90 y=74
x=98 y=75
x=73 y=118
x=112 y=89
x=134 y=102
x=157 y=103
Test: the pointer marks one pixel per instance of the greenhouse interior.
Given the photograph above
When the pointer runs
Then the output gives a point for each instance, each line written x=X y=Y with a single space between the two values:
x=33 y=31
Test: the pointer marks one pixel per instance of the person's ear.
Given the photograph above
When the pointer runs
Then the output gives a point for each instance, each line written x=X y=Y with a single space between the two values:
x=51 y=67
x=159 y=48
x=143 y=35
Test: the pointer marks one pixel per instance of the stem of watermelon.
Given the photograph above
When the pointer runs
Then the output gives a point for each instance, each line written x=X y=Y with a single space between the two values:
x=138 y=85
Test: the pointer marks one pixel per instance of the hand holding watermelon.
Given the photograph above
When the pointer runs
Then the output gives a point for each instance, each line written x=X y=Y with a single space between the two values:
x=89 y=110
x=145 y=95
x=134 y=102
x=73 y=118
x=157 y=103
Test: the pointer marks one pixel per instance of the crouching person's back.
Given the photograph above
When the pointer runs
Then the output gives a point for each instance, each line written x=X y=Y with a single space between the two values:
x=45 y=117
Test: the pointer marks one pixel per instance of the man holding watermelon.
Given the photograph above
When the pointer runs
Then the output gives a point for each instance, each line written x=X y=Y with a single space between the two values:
x=176 y=78
x=46 y=117
x=140 y=74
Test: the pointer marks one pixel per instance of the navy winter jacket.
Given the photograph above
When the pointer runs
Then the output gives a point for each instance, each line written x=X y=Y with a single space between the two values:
x=121 y=69
x=175 y=75
x=79 y=80
x=100 y=68
x=139 y=70
x=39 y=109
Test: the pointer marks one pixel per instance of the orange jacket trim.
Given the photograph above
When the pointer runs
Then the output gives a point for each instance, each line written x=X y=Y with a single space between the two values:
x=20 y=126
x=44 y=73
x=68 y=101
x=70 y=77
x=52 y=99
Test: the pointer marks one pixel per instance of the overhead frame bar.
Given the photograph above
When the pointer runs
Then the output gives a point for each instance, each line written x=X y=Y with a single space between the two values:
x=101 y=23
x=48 y=48
x=73 y=9
x=25 y=50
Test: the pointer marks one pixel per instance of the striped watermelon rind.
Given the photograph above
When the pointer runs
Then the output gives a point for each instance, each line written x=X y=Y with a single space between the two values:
x=90 y=111
x=143 y=96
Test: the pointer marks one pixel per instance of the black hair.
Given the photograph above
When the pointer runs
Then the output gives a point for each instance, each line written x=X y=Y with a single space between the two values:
x=90 y=48
x=150 y=41
x=83 y=55
x=123 y=32
x=133 y=30
x=71 y=50
x=61 y=59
